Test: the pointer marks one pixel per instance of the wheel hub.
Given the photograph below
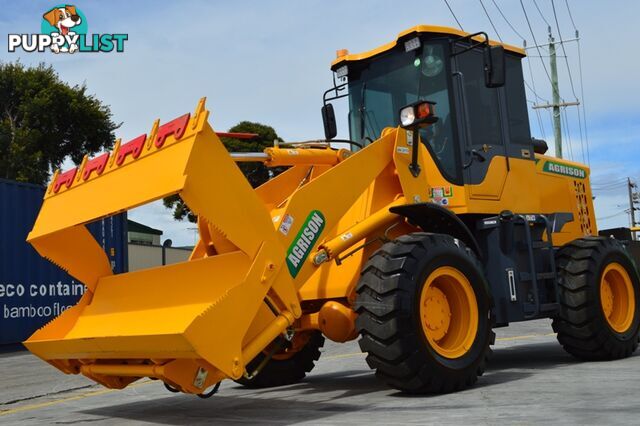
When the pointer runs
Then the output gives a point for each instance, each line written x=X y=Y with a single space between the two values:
x=606 y=296
x=449 y=312
x=436 y=313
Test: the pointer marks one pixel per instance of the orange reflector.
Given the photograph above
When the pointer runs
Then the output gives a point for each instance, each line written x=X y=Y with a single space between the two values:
x=425 y=110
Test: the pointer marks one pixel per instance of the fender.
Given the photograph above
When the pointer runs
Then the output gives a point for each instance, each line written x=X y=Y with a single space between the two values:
x=431 y=217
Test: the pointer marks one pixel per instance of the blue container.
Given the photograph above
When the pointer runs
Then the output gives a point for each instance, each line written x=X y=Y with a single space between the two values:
x=33 y=290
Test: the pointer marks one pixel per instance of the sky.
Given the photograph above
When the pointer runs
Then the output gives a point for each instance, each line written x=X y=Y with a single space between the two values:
x=268 y=61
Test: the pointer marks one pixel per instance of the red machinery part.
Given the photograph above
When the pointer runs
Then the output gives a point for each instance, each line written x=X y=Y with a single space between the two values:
x=133 y=147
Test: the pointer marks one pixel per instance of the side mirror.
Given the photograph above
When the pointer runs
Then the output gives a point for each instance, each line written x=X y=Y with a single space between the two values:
x=329 y=121
x=494 y=66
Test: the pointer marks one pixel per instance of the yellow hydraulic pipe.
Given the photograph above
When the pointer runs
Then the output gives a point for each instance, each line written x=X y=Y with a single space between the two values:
x=277 y=326
x=361 y=230
x=295 y=156
x=275 y=157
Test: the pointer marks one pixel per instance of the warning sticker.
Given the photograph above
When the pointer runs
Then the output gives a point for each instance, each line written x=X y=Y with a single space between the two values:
x=440 y=195
x=285 y=225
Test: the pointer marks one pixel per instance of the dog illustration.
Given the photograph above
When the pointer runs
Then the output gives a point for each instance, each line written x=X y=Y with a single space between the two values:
x=63 y=18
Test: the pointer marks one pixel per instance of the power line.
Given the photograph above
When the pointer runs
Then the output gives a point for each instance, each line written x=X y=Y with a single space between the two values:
x=573 y=90
x=534 y=92
x=582 y=116
x=541 y=15
x=612 y=216
x=555 y=16
x=490 y=21
x=581 y=135
x=535 y=41
x=609 y=188
x=454 y=15
x=564 y=131
x=544 y=56
x=524 y=10
x=615 y=179
x=537 y=111
x=609 y=183
x=612 y=181
x=615 y=182
x=506 y=20
x=584 y=110
x=541 y=124
x=567 y=132
x=566 y=2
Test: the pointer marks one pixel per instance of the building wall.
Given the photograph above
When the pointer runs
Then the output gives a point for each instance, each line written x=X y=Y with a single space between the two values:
x=145 y=256
x=140 y=238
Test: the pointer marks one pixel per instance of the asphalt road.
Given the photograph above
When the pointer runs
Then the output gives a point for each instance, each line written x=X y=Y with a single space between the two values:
x=529 y=381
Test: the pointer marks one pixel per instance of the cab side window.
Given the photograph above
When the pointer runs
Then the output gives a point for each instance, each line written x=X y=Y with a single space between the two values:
x=482 y=106
x=516 y=104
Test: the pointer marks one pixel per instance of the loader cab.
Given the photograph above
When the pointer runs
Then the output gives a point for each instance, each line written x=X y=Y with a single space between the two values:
x=477 y=121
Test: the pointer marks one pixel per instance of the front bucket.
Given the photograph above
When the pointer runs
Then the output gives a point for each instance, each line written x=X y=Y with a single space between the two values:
x=189 y=324
x=185 y=311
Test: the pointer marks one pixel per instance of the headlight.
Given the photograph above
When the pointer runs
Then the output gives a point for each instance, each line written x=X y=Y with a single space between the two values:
x=407 y=116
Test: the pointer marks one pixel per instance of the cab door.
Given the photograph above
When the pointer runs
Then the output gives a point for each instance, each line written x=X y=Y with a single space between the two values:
x=481 y=120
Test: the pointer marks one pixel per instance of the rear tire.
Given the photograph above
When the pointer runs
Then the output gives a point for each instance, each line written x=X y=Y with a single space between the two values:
x=412 y=348
x=599 y=316
x=283 y=369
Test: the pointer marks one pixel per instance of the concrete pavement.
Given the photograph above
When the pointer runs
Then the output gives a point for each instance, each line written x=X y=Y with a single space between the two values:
x=530 y=380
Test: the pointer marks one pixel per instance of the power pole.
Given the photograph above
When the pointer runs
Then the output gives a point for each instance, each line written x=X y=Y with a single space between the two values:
x=632 y=209
x=555 y=104
x=557 y=130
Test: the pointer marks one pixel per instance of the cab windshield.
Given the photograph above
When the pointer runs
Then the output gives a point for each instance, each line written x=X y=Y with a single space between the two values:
x=390 y=82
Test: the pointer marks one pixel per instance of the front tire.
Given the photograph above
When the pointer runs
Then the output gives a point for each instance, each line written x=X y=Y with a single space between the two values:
x=599 y=316
x=288 y=366
x=424 y=314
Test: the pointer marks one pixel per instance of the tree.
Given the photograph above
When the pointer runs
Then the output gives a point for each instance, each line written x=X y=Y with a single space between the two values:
x=256 y=173
x=44 y=120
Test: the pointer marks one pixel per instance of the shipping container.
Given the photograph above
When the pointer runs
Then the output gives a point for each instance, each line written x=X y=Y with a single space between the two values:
x=33 y=290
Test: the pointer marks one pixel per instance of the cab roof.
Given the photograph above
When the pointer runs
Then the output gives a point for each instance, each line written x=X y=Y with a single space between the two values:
x=419 y=29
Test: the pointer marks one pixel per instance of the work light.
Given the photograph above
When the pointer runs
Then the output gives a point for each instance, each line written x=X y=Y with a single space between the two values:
x=418 y=113
x=407 y=116
x=412 y=44
x=342 y=71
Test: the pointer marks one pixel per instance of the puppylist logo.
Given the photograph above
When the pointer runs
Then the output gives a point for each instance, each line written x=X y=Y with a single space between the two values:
x=64 y=30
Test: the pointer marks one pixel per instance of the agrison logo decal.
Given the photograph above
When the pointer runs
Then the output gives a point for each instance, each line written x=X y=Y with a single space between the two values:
x=564 y=169
x=63 y=29
x=304 y=241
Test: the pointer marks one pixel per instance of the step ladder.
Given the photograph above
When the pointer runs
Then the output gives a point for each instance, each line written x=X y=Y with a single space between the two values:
x=536 y=246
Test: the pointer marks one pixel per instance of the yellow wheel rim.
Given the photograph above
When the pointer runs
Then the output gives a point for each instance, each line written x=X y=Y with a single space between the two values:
x=449 y=312
x=617 y=297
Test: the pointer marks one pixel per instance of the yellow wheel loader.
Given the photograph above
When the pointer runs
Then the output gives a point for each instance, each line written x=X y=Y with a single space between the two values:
x=441 y=220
